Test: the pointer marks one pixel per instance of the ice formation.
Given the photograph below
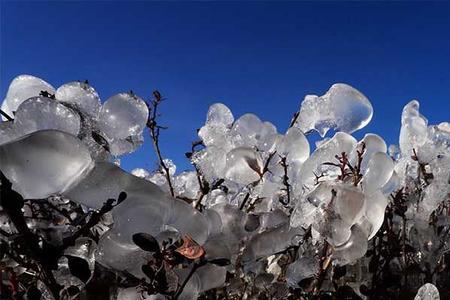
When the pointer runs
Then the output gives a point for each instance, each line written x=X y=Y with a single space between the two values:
x=342 y=108
x=255 y=193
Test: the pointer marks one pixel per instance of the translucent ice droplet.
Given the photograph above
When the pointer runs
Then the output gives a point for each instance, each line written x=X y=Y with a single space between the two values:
x=219 y=114
x=243 y=165
x=302 y=268
x=214 y=134
x=82 y=95
x=8 y=132
x=20 y=89
x=427 y=291
x=349 y=202
x=294 y=146
x=371 y=143
x=248 y=127
x=123 y=115
x=44 y=163
x=342 y=108
x=379 y=171
x=413 y=132
x=375 y=206
x=354 y=249
x=40 y=113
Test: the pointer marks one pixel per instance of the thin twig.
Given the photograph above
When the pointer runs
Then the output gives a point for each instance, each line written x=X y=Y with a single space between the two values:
x=6 y=115
x=154 y=132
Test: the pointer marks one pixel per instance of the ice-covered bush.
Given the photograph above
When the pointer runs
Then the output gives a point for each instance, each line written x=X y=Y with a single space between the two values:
x=261 y=214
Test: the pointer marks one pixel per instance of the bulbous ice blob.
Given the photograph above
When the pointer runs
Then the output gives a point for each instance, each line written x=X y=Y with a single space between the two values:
x=354 y=249
x=188 y=220
x=440 y=134
x=214 y=134
x=141 y=173
x=338 y=232
x=122 y=146
x=413 y=132
x=342 y=108
x=378 y=173
x=392 y=185
x=372 y=143
x=123 y=115
x=211 y=161
x=268 y=137
x=302 y=268
x=348 y=202
x=243 y=165
x=211 y=277
x=314 y=165
x=375 y=206
x=294 y=146
x=44 y=163
x=427 y=291
x=248 y=127
x=219 y=114
x=120 y=256
x=344 y=200
x=41 y=113
x=20 y=89
x=82 y=95
x=8 y=132
x=270 y=242
x=106 y=181
x=186 y=185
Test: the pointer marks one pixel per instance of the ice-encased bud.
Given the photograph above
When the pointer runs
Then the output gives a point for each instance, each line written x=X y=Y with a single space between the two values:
x=80 y=94
x=427 y=291
x=314 y=165
x=342 y=108
x=44 y=163
x=243 y=165
x=20 y=89
x=41 y=113
x=413 y=132
x=123 y=115
x=294 y=146
x=219 y=114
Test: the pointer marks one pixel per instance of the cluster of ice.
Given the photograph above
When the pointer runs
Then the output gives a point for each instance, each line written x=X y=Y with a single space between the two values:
x=75 y=108
x=256 y=192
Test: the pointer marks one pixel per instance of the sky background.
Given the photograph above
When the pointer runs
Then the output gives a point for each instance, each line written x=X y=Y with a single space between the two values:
x=259 y=57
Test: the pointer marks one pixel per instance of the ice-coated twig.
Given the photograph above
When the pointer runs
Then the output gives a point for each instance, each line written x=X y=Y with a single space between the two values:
x=287 y=185
x=154 y=133
x=94 y=219
x=6 y=115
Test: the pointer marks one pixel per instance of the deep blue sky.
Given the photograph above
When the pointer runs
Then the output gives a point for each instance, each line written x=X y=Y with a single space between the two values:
x=255 y=57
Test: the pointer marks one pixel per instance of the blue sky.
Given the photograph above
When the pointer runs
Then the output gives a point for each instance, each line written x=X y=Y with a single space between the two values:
x=259 y=57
